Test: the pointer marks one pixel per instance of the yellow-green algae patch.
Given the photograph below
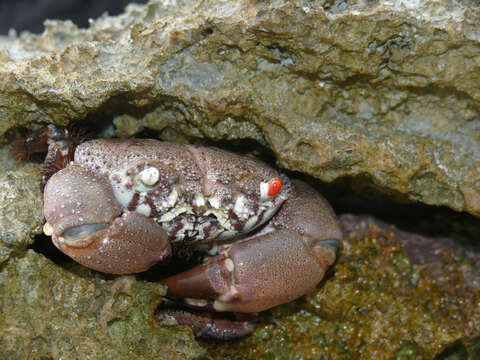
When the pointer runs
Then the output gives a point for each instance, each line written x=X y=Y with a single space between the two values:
x=52 y=313
x=378 y=304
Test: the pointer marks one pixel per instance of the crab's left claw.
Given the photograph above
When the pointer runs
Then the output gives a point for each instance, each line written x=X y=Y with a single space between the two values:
x=85 y=222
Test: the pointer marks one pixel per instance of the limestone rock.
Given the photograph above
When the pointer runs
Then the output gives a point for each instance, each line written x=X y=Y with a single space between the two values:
x=21 y=211
x=54 y=313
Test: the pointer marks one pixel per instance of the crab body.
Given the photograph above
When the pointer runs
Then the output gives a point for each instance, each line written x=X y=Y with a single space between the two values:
x=120 y=205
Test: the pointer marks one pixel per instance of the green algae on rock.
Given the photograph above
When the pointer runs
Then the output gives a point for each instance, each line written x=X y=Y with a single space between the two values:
x=52 y=313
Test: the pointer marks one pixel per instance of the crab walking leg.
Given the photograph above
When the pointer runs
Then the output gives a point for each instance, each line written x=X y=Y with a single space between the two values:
x=211 y=325
x=270 y=268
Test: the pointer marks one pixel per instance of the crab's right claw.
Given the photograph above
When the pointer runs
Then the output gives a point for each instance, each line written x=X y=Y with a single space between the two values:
x=85 y=222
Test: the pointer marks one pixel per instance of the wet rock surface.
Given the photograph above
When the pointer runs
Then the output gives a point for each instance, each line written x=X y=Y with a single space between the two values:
x=385 y=94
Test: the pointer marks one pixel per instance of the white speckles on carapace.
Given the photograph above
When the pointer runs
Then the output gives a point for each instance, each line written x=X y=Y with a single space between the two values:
x=240 y=208
x=214 y=202
x=199 y=200
x=144 y=209
x=149 y=176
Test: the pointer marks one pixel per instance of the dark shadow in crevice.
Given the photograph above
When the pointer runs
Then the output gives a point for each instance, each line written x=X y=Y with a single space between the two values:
x=347 y=197
x=43 y=245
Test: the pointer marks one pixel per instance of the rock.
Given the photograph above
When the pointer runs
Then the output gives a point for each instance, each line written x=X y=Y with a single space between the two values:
x=382 y=91
x=21 y=211
x=28 y=15
x=53 y=313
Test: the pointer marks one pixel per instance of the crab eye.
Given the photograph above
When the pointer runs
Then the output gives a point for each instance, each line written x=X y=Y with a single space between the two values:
x=272 y=188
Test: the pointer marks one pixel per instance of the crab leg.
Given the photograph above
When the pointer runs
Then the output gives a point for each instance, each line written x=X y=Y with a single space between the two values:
x=280 y=263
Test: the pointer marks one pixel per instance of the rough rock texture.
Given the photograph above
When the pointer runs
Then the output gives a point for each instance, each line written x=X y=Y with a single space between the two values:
x=21 y=211
x=387 y=91
x=53 y=313
x=30 y=15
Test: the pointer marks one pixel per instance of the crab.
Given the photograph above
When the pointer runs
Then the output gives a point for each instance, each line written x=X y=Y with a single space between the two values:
x=120 y=206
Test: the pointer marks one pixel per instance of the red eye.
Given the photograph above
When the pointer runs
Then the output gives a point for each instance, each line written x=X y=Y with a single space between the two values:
x=274 y=187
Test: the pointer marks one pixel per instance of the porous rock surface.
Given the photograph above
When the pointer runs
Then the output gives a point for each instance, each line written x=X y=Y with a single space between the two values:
x=384 y=90
x=54 y=313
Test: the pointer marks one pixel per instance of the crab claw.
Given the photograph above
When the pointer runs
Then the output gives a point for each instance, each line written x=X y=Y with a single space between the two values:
x=83 y=218
x=277 y=265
